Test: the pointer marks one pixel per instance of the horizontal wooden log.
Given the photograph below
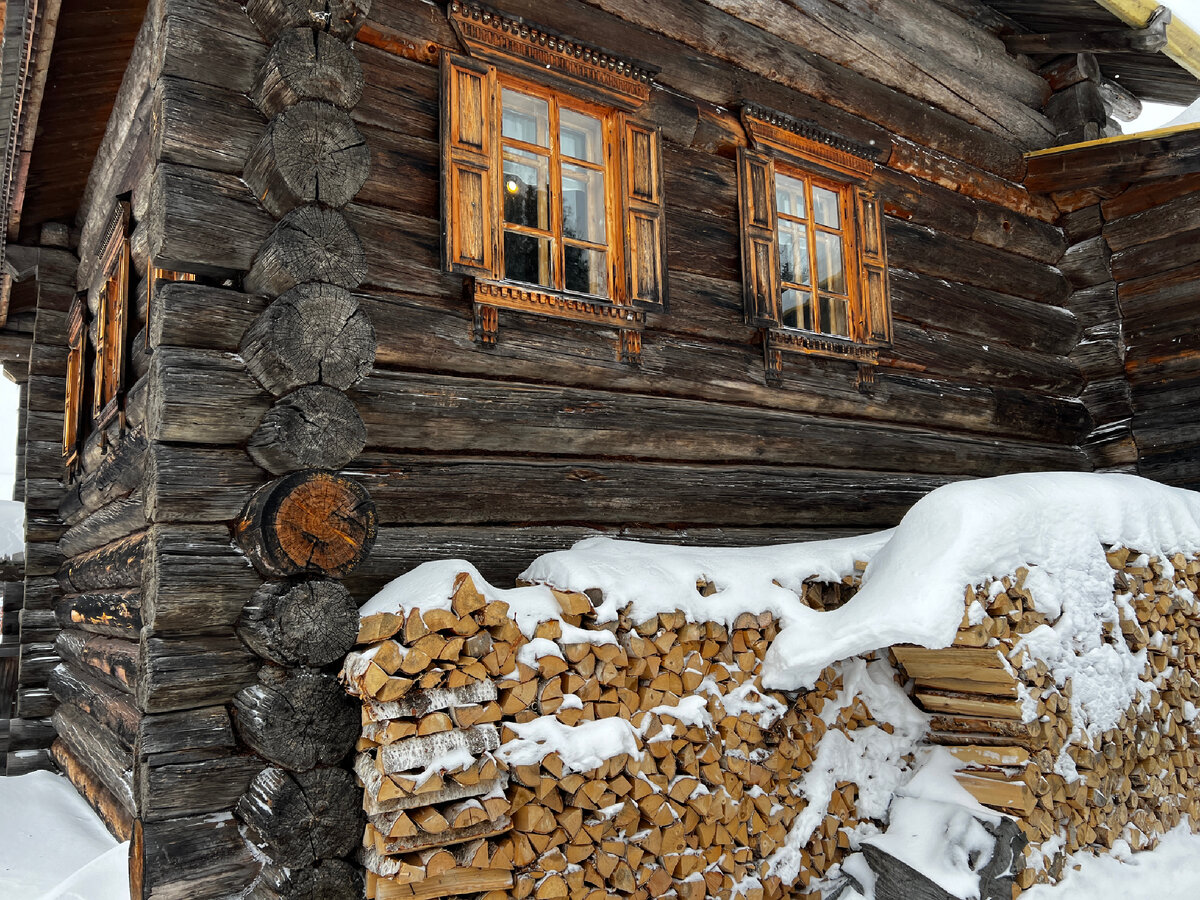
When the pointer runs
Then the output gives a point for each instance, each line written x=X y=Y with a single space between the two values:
x=176 y=859
x=307 y=64
x=195 y=671
x=445 y=415
x=116 y=565
x=202 y=125
x=119 y=475
x=113 y=521
x=1087 y=263
x=166 y=792
x=37 y=625
x=110 y=661
x=1100 y=165
x=115 y=815
x=33 y=703
x=408 y=489
x=98 y=749
x=202 y=397
x=37 y=660
x=185 y=736
x=200 y=222
x=308 y=523
x=299 y=818
x=187 y=483
x=28 y=734
x=419 y=752
x=308 y=623
x=1157 y=256
x=297 y=719
x=111 y=708
x=113 y=613
x=188 y=314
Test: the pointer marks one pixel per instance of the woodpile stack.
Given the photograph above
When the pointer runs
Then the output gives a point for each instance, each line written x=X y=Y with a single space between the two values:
x=1003 y=715
x=702 y=778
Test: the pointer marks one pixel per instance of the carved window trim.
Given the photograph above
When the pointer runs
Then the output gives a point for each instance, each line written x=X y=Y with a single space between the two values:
x=112 y=315
x=510 y=54
x=781 y=145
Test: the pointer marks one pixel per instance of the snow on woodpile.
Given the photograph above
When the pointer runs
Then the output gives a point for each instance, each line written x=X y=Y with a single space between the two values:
x=656 y=694
x=563 y=743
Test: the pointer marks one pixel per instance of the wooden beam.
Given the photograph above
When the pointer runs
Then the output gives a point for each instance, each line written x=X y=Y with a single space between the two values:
x=1150 y=38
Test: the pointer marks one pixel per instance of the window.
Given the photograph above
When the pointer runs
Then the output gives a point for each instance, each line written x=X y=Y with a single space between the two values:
x=73 y=413
x=551 y=188
x=812 y=249
x=112 y=308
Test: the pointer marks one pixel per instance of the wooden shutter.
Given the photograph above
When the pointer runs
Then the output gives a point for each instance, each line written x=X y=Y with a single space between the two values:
x=760 y=256
x=873 y=269
x=468 y=165
x=645 y=243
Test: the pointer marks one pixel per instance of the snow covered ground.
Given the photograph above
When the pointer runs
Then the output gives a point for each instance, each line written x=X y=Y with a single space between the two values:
x=12 y=529
x=53 y=847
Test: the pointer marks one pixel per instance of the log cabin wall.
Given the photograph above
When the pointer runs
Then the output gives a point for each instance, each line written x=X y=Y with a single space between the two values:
x=548 y=437
x=1151 y=232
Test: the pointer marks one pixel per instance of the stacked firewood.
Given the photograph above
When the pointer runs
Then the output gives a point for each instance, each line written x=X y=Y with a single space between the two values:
x=1003 y=715
x=462 y=798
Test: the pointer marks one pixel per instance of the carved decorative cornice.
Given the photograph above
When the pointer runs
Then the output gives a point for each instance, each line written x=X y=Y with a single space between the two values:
x=493 y=35
x=808 y=141
x=820 y=345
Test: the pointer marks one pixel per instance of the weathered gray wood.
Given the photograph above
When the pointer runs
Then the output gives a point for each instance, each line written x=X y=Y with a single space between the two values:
x=115 y=565
x=37 y=625
x=202 y=397
x=310 y=153
x=193 y=579
x=1120 y=104
x=28 y=734
x=307 y=64
x=313 y=427
x=185 y=858
x=341 y=18
x=186 y=483
x=110 y=661
x=307 y=623
x=467 y=489
x=186 y=735
x=308 y=244
x=114 y=613
x=200 y=222
x=315 y=333
x=297 y=719
x=169 y=791
x=194 y=671
x=37 y=660
x=332 y=879
x=117 y=476
x=33 y=703
x=115 y=520
x=108 y=706
x=1087 y=263
x=201 y=125
x=186 y=314
x=98 y=749
x=299 y=818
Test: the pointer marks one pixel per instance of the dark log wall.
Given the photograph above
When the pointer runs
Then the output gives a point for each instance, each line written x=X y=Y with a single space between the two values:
x=1151 y=231
x=503 y=453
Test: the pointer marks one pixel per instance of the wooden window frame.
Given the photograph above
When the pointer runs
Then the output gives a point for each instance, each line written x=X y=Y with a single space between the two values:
x=510 y=54
x=780 y=145
x=112 y=315
x=75 y=381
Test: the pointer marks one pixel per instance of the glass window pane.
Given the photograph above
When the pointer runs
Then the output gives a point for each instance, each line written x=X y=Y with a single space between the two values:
x=825 y=207
x=789 y=196
x=835 y=316
x=793 y=253
x=527 y=258
x=583 y=204
x=580 y=136
x=586 y=272
x=526 y=189
x=525 y=118
x=796 y=309
x=830 y=274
